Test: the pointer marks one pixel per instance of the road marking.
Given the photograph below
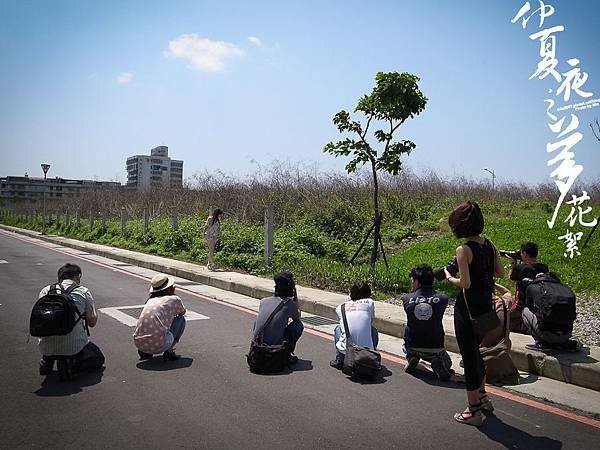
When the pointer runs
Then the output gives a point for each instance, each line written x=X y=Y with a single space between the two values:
x=3 y=261
x=117 y=313
x=399 y=360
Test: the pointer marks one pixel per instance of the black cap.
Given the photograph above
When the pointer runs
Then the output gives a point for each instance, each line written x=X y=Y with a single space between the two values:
x=284 y=284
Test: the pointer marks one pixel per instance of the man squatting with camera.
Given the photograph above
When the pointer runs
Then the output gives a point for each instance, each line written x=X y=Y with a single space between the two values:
x=424 y=331
x=525 y=313
x=528 y=268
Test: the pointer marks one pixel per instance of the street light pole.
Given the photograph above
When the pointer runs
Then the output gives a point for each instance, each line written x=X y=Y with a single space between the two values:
x=493 y=178
x=45 y=168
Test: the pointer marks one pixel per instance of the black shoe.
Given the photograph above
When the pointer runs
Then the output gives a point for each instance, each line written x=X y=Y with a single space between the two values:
x=170 y=355
x=336 y=364
x=539 y=346
x=292 y=359
x=66 y=368
x=46 y=367
x=411 y=366
x=440 y=370
x=144 y=356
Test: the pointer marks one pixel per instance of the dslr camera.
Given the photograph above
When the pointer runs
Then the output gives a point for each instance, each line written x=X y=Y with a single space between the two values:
x=516 y=254
x=452 y=266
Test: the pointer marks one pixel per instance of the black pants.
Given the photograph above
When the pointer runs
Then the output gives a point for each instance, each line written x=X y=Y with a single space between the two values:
x=89 y=358
x=468 y=343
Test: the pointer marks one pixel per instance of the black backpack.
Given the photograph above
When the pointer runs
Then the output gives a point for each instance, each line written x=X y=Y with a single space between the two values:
x=265 y=358
x=553 y=303
x=55 y=314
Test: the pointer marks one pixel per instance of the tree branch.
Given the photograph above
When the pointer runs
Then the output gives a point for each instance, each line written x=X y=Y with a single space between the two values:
x=594 y=131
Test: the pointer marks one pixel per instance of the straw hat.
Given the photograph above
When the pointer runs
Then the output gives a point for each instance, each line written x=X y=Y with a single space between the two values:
x=160 y=282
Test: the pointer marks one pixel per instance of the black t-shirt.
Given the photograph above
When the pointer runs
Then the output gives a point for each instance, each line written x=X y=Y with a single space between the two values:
x=424 y=313
x=519 y=273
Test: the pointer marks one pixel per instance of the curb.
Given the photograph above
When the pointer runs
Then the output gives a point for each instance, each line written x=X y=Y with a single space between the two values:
x=581 y=369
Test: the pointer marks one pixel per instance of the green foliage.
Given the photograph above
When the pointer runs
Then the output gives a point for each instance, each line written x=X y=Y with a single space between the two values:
x=318 y=245
x=395 y=98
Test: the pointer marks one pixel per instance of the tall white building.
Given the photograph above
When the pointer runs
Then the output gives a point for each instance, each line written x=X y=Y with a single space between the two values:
x=154 y=171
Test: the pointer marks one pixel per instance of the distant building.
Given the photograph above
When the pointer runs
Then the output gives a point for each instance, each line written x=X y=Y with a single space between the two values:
x=154 y=171
x=32 y=188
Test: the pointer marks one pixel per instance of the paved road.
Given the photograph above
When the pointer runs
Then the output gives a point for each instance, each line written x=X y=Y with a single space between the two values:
x=208 y=399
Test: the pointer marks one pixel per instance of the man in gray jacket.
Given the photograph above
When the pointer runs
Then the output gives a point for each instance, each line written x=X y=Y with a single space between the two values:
x=279 y=328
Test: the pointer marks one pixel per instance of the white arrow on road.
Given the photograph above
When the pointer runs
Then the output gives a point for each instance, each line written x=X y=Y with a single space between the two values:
x=117 y=313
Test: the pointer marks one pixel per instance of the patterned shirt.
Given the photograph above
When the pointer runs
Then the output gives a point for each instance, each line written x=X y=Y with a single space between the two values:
x=72 y=343
x=154 y=322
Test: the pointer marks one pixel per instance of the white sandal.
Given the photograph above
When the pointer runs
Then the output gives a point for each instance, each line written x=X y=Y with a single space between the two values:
x=471 y=416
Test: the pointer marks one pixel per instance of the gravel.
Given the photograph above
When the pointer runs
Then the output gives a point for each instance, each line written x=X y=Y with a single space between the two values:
x=586 y=328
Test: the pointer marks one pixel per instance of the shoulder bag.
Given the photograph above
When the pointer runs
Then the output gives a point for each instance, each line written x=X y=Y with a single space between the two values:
x=359 y=360
x=265 y=358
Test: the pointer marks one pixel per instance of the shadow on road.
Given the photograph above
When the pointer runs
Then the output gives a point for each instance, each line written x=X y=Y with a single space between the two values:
x=302 y=365
x=379 y=378
x=428 y=377
x=512 y=437
x=158 y=365
x=53 y=387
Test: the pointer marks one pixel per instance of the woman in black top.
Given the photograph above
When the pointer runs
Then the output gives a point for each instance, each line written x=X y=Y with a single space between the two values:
x=478 y=263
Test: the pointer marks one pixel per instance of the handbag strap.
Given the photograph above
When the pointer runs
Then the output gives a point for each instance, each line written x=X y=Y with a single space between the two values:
x=505 y=310
x=346 y=329
x=275 y=311
x=467 y=303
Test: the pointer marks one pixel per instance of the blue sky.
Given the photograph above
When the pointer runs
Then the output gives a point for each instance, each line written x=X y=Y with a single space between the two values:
x=226 y=85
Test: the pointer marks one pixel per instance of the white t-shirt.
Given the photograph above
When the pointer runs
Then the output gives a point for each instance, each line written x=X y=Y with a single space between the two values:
x=359 y=314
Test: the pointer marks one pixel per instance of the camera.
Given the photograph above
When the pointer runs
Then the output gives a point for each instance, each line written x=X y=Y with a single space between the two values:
x=516 y=254
x=452 y=266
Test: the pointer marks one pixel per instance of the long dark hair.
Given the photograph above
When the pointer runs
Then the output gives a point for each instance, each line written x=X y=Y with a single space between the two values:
x=216 y=214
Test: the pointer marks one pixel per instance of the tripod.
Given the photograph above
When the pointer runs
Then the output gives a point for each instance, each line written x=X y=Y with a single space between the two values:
x=376 y=226
x=591 y=232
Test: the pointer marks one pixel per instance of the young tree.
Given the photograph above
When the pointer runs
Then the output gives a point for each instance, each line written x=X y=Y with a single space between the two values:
x=395 y=98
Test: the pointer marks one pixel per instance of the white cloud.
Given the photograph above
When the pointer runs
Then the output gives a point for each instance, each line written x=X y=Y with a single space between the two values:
x=203 y=54
x=124 y=77
x=256 y=41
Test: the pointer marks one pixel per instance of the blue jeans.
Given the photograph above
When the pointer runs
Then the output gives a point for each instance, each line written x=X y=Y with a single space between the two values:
x=292 y=334
x=337 y=333
x=177 y=328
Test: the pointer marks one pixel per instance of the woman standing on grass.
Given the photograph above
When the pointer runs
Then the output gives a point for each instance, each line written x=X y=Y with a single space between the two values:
x=478 y=263
x=211 y=235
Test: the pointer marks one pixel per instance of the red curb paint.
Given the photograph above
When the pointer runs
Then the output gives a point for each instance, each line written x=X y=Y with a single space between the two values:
x=396 y=359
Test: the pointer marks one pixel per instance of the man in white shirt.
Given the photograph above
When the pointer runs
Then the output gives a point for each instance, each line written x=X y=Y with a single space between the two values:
x=74 y=352
x=360 y=312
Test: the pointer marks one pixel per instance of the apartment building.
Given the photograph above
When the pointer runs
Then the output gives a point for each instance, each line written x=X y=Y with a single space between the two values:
x=33 y=188
x=154 y=171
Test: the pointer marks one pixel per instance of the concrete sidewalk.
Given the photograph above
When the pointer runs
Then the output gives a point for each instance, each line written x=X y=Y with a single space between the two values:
x=582 y=368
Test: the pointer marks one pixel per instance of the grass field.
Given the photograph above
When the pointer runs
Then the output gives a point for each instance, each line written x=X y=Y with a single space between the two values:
x=317 y=247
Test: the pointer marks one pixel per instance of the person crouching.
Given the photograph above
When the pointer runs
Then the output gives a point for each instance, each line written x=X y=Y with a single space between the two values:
x=360 y=312
x=424 y=332
x=161 y=322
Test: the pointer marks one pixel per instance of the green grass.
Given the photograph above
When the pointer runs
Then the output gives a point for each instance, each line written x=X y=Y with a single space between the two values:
x=318 y=245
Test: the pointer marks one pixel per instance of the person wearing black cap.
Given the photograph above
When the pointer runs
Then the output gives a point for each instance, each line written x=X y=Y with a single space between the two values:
x=279 y=329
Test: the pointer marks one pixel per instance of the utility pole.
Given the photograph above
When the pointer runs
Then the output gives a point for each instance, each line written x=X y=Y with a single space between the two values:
x=45 y=168
x=493 y=178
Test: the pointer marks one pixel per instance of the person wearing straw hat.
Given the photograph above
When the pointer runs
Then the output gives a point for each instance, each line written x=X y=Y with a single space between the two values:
x=161 y=322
